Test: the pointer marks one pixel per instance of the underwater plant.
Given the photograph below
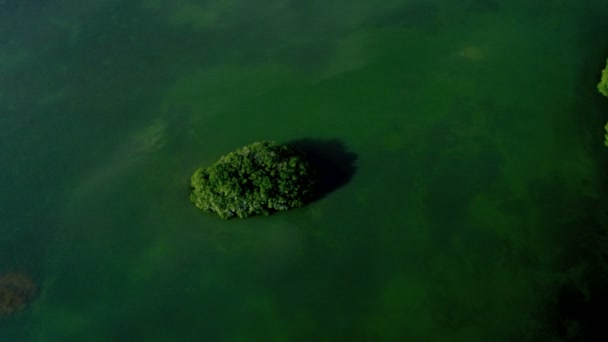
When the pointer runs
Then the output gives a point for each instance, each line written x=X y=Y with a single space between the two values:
x=259 y=178
x=17 y=290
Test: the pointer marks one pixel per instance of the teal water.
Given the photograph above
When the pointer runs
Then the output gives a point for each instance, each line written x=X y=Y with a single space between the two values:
x=476 y=126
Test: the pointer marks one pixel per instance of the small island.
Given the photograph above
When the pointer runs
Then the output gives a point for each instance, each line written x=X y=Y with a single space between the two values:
x=259 y=178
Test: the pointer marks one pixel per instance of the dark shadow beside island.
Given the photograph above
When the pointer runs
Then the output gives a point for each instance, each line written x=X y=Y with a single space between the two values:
x=336 y=165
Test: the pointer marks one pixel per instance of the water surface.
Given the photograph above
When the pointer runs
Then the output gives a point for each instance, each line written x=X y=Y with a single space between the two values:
x=474 y=123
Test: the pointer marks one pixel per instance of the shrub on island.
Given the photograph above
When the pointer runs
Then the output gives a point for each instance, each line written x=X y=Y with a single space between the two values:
x=259 y=178
x=602 y=87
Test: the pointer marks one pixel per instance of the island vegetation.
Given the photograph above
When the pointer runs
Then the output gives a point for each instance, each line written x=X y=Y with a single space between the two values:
x=582 y=301
x=602 y=87
x=259 y=178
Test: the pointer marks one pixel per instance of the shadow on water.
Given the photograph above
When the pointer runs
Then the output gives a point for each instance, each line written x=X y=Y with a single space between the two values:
x=335 y=164
x=580 y=317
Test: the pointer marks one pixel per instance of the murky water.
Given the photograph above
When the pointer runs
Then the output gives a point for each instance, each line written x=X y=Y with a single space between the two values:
x=474 y=127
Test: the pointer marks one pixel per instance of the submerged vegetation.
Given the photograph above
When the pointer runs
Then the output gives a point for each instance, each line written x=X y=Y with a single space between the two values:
x=17 y=290
x=256 y=179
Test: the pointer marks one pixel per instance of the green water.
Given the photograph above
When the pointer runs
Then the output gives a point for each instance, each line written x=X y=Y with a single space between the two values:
x=477 y=132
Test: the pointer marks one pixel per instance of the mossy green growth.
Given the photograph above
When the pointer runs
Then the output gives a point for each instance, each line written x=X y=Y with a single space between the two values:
x=256 y=179
x=602 y=87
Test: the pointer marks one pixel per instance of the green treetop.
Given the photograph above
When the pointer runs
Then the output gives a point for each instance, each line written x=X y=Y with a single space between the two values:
x=256 y=179
x=602 y=87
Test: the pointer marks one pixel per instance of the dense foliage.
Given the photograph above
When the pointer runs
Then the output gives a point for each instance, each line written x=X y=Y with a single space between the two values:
x=256 y=179
x=602 y=87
